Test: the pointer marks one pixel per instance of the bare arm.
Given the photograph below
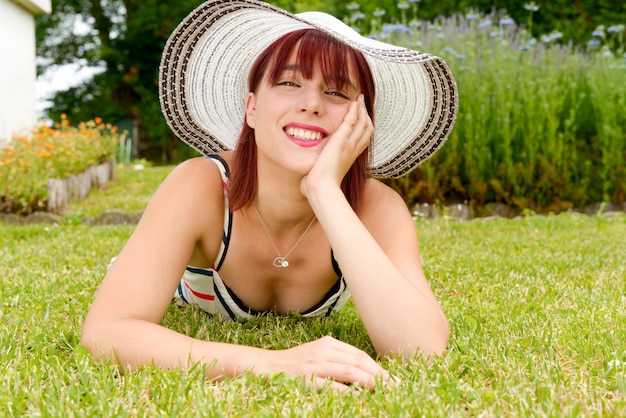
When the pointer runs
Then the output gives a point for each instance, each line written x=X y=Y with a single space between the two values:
x=380 y=262
x=123 y=321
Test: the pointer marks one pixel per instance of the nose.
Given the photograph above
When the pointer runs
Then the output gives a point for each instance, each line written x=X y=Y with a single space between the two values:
x=312 y=101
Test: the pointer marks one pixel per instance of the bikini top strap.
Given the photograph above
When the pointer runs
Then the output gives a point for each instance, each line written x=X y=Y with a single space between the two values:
x=228 y=216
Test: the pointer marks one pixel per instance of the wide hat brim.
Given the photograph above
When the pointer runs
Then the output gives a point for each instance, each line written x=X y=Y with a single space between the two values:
x=207 y=58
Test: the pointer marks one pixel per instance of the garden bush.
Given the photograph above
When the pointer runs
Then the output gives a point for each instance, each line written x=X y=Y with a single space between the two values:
x=540 y=123
x=27 y=162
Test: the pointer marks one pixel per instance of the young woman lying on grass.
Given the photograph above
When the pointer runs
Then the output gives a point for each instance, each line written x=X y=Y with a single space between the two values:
x=282 y=216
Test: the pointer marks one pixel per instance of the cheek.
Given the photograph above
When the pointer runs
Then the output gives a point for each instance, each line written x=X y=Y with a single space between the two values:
x=339 y=113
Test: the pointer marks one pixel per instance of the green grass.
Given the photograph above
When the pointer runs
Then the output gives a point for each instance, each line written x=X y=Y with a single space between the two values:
x=536 y=307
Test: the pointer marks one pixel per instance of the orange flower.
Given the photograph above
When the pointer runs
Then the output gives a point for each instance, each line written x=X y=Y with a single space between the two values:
x=22 y=163
x=7 y=150
x=6 y=161
x=48 y=145
x=114 y=128
x=98 y=120
x=43 y=153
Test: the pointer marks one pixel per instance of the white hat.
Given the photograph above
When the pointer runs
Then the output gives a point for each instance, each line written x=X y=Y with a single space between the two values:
x=206 y=61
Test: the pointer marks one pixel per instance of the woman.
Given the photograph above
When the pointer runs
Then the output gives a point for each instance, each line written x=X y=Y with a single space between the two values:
x=291 y=221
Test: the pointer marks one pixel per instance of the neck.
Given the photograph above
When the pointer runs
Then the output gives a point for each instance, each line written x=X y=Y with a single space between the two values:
x=280 y=200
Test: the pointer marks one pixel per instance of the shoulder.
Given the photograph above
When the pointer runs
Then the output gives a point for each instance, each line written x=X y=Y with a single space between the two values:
x=191 y=196
x=199 y=168
x=384 y=212
x=381 y=198
x=200 y=176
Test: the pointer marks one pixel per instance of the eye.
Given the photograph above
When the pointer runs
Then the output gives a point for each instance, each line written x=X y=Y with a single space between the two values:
x=288 y=83
x=338 y=93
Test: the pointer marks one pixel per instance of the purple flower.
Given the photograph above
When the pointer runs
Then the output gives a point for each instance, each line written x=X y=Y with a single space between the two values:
x=485 y=24
x=556 y=35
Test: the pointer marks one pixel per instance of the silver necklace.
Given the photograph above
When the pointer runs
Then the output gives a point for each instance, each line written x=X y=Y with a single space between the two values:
x=281 y=260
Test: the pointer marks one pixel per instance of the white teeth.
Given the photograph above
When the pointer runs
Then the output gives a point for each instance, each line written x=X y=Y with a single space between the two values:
x=303 y=134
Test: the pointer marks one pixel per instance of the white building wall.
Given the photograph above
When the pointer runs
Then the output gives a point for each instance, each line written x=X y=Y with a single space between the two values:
x=17 y=65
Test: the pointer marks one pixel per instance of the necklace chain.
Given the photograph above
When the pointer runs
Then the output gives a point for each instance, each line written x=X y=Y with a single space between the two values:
x=281 y=260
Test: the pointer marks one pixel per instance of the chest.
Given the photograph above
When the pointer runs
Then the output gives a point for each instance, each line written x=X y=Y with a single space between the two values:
x=250 y=271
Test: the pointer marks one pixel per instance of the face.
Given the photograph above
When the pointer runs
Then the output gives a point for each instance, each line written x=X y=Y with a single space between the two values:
x=294 y=117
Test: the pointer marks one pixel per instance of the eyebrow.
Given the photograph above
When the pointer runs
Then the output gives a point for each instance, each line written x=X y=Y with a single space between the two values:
x=342 y=80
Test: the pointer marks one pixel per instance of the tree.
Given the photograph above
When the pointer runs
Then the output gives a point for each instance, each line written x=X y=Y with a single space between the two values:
x=125 y=39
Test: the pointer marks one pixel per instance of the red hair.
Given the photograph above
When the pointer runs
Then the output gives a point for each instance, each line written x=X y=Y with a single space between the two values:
x=333 y=58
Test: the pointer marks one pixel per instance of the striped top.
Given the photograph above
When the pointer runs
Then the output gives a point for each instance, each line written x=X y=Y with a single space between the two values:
x=205 y=288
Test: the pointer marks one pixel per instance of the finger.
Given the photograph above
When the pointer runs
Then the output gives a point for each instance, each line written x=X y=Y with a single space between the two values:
x=364 y=128
x=349 y=120
x=355 y=366
x=321 y=383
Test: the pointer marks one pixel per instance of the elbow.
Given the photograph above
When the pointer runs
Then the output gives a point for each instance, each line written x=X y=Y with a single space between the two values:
x=439 y=343
x=430 y=345
x=89 y=339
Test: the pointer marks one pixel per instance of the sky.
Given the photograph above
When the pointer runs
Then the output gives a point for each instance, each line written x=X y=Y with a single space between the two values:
x=59 y=78
x=62 y=77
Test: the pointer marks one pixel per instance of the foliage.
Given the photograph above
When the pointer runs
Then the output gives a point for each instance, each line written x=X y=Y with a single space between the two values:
x=539 y=124
x=124 y=39
x=536 y=314
x=29 y=161
x=539 y=127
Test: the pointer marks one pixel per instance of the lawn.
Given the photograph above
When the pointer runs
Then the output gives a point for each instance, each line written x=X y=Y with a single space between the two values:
x=537 y=308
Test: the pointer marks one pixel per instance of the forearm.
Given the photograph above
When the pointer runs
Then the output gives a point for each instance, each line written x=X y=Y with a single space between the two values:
x=134 y=342
x=399 y=316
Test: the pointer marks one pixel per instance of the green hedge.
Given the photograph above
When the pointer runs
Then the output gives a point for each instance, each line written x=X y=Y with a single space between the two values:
x=541 y=125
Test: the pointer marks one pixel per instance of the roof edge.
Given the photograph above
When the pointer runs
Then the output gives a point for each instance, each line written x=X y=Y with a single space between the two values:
x=36 y=7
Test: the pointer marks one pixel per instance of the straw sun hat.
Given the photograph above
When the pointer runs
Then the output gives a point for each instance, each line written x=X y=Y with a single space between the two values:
x=206 y=61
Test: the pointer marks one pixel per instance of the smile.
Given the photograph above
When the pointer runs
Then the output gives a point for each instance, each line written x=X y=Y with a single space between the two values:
x=303 y=134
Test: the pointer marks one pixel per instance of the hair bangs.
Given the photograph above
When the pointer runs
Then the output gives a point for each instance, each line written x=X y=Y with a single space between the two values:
x=334 y=60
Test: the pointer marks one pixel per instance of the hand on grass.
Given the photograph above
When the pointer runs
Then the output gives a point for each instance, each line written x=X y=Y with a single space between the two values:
x=330 y=361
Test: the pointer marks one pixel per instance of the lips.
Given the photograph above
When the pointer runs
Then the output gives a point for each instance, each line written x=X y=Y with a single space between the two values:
x=305 y=135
